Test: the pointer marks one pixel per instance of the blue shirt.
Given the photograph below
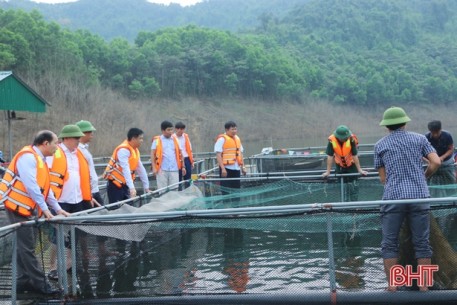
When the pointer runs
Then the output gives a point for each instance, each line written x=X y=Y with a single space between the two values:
x=442 y=143
x=401 y=153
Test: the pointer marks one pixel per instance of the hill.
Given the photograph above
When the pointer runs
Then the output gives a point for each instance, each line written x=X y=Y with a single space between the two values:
x=126 y=18
x=324 y=63
x=349 y=52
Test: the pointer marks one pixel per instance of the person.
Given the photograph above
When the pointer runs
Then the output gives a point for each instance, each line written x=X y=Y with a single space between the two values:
x=70 y=182
x=121 y=169
x=31 y=188
x=342 y=149
x=166 y=157
x=398 y=159
x=443 y=143
x=229 y=156
x=1 y=157
x=88 y=129
x=186 y=149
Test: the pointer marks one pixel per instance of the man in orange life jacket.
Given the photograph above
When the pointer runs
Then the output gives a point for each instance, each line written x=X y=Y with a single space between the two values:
x=186 y=149
x=121 y=169
x=25 y=191
x=342 y=148
x=70 y=180
x=166 y=157
x=88 y=129
x=229 y=155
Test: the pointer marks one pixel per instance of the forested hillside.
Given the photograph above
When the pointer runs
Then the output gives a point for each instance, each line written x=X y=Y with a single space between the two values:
x=361 y=52
x=126 y=18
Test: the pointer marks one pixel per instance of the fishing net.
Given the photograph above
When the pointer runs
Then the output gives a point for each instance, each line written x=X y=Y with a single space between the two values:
x=272 y=251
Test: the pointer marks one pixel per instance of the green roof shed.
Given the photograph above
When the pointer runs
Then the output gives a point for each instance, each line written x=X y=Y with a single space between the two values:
x=16 y=95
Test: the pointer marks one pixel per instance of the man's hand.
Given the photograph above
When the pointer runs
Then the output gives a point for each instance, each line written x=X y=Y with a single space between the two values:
x=363 y=173
x=223 y=172
x=63 y=213
x=132 y=193
x=243 y=170
x=326 y=174
x=94 y=202
x=47 y=214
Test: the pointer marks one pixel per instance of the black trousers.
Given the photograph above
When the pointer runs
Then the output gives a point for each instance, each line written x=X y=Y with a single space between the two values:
x=116 y=194
x=234 y=184
x=29 y=271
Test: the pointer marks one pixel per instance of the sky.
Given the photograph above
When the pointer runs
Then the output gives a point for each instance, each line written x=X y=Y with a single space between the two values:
x=181 y=2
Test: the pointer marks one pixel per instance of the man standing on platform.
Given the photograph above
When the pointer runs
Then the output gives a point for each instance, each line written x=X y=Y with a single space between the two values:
x=88 y=130
x=443 y=143
x=186 y=149
x=342 y=149
x=398 y=159
x=121 y=169
x=26 y=192
x=70 y=181
x=229 y=155
x=166 y=157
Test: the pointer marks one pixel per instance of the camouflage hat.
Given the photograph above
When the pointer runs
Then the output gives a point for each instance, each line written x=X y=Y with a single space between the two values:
x=70 y=131
x=342 y=132
x=85 y=126
x=394 y=116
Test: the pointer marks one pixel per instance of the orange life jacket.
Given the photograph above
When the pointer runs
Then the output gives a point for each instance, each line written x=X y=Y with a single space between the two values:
x=231 y=150
x=188 y=148
x=343 y=151
x=113 y=171
x=13 y=192
x=59 y=173
x=159 y=152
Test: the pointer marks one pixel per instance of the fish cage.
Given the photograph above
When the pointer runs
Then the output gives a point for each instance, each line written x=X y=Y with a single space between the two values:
x=292 y=239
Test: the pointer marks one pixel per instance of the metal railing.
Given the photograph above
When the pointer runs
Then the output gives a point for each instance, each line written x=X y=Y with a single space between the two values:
x=62 y=225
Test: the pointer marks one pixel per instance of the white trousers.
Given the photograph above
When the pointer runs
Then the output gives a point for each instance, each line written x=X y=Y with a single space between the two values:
x=166 y=178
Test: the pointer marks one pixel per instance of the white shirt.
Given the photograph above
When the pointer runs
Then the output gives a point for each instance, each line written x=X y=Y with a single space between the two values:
x=71 y=190
x=169 y=163
x=219 y=148
x=182 y=145
x=84 y=148
x=27 y=169
x=123 y=155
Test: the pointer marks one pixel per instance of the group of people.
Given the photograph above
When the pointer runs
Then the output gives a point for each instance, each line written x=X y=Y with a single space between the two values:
x=56 y=176
x=58 y=173
x=399 y=158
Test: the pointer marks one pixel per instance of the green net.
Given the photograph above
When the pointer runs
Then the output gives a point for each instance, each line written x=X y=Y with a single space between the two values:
x=224 y=254
x=285 y=192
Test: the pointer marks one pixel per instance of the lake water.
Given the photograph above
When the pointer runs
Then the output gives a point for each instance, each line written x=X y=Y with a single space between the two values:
x=231 y=260
x=229 y=256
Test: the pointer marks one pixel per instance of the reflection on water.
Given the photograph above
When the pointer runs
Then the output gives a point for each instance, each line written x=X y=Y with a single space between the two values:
x=214 y=261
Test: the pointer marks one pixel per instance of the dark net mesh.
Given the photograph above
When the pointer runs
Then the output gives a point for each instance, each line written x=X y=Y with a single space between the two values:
x=273 y=252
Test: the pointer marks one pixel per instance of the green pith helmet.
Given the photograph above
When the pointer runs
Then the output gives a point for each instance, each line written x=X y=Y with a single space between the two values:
x=85 y=126
x=394 y=116
x=342 y=132
x=71 y=131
